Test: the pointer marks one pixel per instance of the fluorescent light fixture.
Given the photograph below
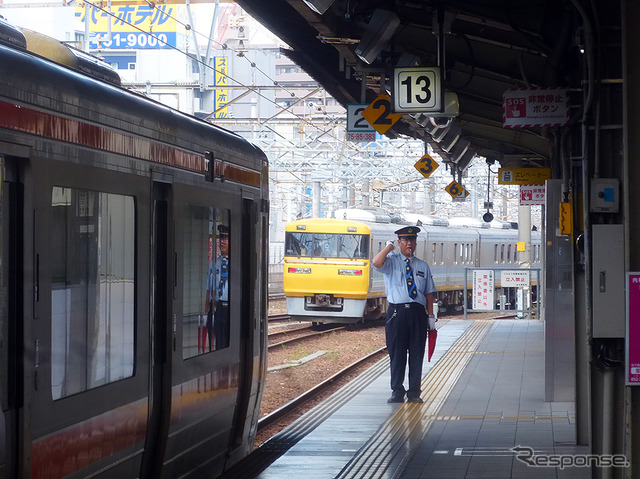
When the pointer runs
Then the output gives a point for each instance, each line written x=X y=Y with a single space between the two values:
x=381 y=27
x=319 y=6
x=464 y=159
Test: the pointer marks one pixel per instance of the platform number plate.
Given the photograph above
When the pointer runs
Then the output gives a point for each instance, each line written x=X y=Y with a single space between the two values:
x=380 y=115
x=358 y=128
x=417 y=89
x=426 y=165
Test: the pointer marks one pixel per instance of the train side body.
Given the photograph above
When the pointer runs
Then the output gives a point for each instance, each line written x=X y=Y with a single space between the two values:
x=110 y=216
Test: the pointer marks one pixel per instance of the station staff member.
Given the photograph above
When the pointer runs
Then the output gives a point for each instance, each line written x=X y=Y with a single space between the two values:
x=410 y=289
x=217 y=294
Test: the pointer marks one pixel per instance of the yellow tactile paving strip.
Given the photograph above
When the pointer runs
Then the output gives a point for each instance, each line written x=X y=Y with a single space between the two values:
x=392 y=444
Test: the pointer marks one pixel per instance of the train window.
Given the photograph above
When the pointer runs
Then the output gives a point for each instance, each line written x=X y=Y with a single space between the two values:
x=92 y=289
x=455 y=253
x=495 y=253
x=508 y=253
x=502 y=253
x=433 y=250
x=206 y=271
x=327 y=245
x=441 y=253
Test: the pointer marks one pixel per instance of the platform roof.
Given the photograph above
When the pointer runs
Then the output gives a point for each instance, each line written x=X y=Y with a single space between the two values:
x=490 y=46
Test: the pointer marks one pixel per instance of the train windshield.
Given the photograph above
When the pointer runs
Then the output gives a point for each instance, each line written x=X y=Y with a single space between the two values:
x=327 y=245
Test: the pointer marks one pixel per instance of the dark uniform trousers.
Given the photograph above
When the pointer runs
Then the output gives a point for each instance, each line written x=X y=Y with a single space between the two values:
x=221 y=324
x=406 y=332
x=218 y=323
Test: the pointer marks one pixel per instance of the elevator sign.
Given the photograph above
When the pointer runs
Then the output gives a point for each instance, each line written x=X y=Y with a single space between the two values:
x=534 y=107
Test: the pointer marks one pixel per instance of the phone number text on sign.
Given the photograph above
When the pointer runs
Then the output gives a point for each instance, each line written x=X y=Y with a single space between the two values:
x=135 y=40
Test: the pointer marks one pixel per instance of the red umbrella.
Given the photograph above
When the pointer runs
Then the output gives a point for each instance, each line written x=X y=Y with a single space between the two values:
x=433 y=335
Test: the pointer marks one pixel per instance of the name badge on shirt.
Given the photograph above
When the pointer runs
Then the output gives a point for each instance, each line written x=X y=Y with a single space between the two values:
x=420 y=273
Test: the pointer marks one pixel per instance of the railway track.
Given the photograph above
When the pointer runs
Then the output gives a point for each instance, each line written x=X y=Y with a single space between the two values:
x=300 y=335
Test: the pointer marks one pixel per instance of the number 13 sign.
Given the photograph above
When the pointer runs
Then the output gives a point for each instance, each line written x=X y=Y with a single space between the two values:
x=417 y=89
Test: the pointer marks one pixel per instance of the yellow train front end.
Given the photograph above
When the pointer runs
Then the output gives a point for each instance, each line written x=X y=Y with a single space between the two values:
x=327 y=270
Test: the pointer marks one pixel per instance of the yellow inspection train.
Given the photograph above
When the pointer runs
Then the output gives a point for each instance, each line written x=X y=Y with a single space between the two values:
x=328 y=275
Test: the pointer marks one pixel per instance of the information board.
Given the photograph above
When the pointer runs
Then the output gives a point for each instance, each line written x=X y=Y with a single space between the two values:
x=516 y=278
x=535 y=107
x=531 y=195
x=483 y=286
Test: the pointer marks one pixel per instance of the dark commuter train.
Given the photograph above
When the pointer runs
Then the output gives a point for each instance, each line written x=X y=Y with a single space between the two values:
x=111 y=207
x=327 y=263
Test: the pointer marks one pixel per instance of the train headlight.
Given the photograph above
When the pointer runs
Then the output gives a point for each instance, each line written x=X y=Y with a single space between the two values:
x=350 y=272
x=300 y=270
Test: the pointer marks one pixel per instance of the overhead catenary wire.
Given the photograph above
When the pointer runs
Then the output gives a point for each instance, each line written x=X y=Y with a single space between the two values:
x=197 y=58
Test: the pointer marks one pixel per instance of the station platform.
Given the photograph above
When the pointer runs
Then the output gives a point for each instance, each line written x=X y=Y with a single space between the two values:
x=483 y=395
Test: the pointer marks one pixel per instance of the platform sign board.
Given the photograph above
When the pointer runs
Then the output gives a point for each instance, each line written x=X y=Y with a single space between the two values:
x=532 y=195
x=417 y=90
x=633 y=329
x=358 y=128
x=380 y=115
x=516 y=278
x=523 y=176
x=535 y=107
x=483 y=286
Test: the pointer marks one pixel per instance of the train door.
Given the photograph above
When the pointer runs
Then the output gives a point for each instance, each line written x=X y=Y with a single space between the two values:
x=86 y=311
x=162 y=294
x=10 y=317
x=252 y=335
x=205 y=328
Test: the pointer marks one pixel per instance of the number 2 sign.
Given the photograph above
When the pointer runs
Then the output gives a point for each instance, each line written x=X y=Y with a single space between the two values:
x=379 y=114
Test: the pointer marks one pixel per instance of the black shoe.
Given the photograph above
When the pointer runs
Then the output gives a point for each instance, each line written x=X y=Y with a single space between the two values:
x=416 y=400
x=395 y=398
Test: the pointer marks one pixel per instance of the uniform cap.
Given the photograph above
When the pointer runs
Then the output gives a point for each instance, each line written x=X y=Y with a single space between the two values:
x=408 y=231
x=223 y=230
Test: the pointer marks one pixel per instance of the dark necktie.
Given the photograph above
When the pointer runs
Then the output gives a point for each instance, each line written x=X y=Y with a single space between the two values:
x=411 y=286
x=224 y=273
